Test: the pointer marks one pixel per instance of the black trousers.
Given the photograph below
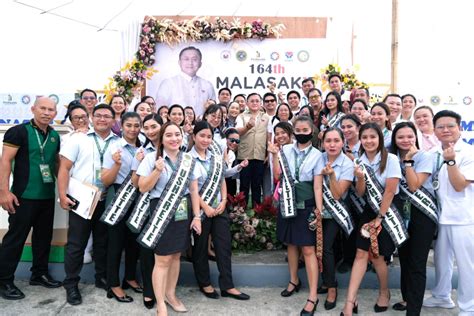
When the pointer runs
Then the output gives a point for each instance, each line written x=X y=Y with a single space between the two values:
x=251 y=178
x=36 y=214
x=219 y=228
x=349 y=242
x=413 y=255
x=120 y=238
x=77 y=237
x=231 y=186
x=330 y=231
x=147 y=262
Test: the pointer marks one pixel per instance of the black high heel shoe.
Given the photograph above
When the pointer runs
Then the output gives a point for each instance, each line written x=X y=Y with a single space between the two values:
x=355 y=307
x=296 y=288
x=315 y=305
x=330 y=305
x=381 y=309
x=126 y=286
x=123 y=299
x=149 y=304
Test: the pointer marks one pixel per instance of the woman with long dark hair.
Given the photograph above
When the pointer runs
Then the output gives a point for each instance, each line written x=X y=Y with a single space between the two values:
x=380 y=115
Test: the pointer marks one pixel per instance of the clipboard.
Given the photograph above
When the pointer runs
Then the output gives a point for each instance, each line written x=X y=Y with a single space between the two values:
x=88 y=195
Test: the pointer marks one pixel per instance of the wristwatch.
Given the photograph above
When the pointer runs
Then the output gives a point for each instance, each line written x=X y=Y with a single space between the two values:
x=408 y=163
x=450 y=162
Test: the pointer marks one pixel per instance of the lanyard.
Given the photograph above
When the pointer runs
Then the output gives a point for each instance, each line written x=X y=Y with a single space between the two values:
x=132 y=150
x=207 y=168
x=101 y=150
x=170 y=163
x=299 y=163
x=385 y=132
x=41 y=145
x=438 y=168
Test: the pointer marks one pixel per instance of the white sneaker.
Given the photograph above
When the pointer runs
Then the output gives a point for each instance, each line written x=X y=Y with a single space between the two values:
x=438 y=302
x=87 y=257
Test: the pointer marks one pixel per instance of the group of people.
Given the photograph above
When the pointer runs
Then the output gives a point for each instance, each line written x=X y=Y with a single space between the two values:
x=367 y=179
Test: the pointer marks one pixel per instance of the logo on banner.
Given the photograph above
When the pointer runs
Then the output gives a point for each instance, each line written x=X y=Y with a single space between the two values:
x=451 y=101
x=241 y=55
x=55 y=98
x=289 y=55
x=225 y=55
x=274 y=56
x=9 y=100
x=26 y=99
x=258 y=56
x=467 y=100
x=435 y=100
x=303 y=56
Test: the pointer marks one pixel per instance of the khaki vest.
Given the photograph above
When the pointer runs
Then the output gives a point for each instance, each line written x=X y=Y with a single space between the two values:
x=253 y=144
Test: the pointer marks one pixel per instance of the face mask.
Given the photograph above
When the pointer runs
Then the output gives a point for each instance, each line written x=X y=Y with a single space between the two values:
x=303 y=138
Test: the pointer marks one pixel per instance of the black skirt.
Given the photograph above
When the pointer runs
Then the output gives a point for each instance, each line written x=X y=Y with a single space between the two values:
x=295 y=231
x=177 y=236
x=386 y=245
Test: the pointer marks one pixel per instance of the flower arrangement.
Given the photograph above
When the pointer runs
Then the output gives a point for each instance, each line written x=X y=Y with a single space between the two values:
x=252 y=229
x=349 y=79
x=130 y=79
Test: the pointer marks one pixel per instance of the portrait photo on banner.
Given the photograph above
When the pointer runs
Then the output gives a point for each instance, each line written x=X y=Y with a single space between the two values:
x=191 y=73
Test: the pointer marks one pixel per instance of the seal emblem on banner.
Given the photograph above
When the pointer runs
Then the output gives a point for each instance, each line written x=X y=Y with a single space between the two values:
x=26 y=99
x=225 y=55
x=241 y=55
x=303 y=56
x=274 y=56
x=55 y=98
x=435 y=100
x=467 y=100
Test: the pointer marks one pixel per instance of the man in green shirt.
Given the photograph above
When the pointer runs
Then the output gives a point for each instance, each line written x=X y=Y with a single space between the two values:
x=30 y=153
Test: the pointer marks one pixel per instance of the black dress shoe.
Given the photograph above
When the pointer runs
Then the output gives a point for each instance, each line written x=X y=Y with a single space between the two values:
x=73 y=296
x=149 y=304
x=213 y=294
x=126 y=285
x=123 y=299
x=296 y=288
x=241 y=296
x=101 y=283
x=330 y=305
x=45 y=280
x=399 y=307
x=11 y=292
x=381 y=309
x=311 y=312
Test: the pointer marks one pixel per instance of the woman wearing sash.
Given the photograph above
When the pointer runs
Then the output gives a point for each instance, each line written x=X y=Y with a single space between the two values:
x=417 y=201
x=297 y=219
x=116 y=169
x=332 y=113
x=162 y=174
x=213 y=198
x=350 y=125
x=380 y=171
x=423 y=117
x=177 y=115
x=337 y=171
x=380 y=115
x=151 y=126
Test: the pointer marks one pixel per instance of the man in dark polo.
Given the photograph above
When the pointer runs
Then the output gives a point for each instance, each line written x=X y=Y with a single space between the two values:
x=30 y=152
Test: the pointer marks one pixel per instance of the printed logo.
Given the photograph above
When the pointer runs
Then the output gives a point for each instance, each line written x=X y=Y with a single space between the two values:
x=225 y=55
x=467 y=100
x=435 y=100
x=274 y=56
x=303 y=56
x=241 y=55
x=55 y=98
x=289 y=55
x=26 y=99
x=53 y=139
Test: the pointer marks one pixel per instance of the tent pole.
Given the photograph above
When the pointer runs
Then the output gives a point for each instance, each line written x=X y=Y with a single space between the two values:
x=394 y=64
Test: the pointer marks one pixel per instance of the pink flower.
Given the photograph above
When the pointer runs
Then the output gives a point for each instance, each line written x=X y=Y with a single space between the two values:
x=146 y=29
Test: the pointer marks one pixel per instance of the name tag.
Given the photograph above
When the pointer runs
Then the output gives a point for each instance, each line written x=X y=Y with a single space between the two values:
x=181 y=213
x=97 y=181
x=46 y=173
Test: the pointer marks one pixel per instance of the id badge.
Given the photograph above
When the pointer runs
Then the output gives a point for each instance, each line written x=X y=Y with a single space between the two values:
x=46 y=173
x=215 y=203
x=181 y=213
x=97 y=182
x=300 y=205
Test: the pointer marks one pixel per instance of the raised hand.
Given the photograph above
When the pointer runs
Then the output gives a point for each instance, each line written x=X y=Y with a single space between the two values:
x=140 y=154
x=411 y=153
x=273 y=148
x=160 y=164
x=327 y=170
x=117 y=157
x=449 y=153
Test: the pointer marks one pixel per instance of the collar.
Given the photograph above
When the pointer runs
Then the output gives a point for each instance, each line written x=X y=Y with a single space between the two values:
x=298 y=151
x=111 y=134
x=123 y=143
x=337 y=162
x=48 y=129
x=195 y=154
x=150 y=146
x=457 y=147
x=376 y=160
x=187 y=78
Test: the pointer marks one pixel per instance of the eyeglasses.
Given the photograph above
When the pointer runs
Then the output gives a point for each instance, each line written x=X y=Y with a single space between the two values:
x=448 y=126
x=270 y=100
x=314 y=97
x=234 y=140
x=79 y=118
x=89 y=98
x=105 y=117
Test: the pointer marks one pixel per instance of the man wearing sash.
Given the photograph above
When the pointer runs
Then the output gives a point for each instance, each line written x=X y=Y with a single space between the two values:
x=33 y=149
x=377 y=176
x=337 y=171
x=453 y=180
x=82 y=159
x=418 y=206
